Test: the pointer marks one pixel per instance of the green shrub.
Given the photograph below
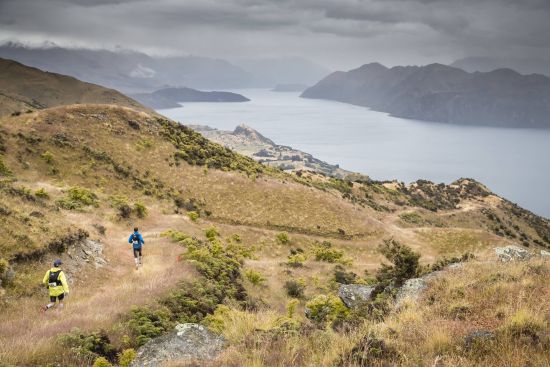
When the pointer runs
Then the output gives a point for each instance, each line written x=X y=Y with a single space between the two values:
x=102 y=362
x=412 y=218
x=404 y=264
x=146 y=323
x=282 y=238
x=326 y=309
x=216 y=321
x=126 y=357
x=524 y=323
x=459 y=310
x=211 y=233
x=296 y=260
x=140 y=209
x=4 y=170
x=254 y=277
x=93 y=345
x=47 y=157
x=194 y=216
x=325 y=252
x=41 y=193
x=295 y=288
x=77 y=198
x=342 y=276
x=144 y=144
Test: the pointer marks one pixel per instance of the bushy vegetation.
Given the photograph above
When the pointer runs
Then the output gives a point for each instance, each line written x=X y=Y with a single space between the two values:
x=404 y=264
x=140 y=209
x=325 y=252
x=78 y=198
x=295 y=288
x=254 y=277
x=193 y=215
x=282 y=238
x=126 y=357
x=195 y=149
x=42 y=194
x=326 y=309
x=89 y=345
x=4 y=170
x=146 y=323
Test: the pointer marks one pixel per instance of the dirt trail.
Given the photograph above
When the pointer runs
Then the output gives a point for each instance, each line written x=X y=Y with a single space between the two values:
x=107 y=293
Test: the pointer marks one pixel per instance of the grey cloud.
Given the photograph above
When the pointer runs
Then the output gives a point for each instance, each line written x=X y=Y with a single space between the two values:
x=336 y=32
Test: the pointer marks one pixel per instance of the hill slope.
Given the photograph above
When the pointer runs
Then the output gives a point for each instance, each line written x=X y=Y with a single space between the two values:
x=77 y=173
x=24 y=88
x=443 y=94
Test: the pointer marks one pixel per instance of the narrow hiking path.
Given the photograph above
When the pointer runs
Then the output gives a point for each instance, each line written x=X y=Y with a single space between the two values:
x=106 y=294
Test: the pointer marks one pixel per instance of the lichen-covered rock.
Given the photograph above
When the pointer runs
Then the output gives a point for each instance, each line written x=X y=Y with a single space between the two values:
x=512 y=253
x=188 y=343
x=545 y=254
x=411 y=290
x=354 y=294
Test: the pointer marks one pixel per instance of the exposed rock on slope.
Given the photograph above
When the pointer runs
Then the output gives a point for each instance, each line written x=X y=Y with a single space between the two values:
x=250 y=142
x=24 y=88
x=443 y=94
x=189 y=343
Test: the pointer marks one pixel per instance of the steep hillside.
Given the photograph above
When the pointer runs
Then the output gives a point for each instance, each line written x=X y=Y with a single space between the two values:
x=219 y=228
x=24 y=88
x=442 y=93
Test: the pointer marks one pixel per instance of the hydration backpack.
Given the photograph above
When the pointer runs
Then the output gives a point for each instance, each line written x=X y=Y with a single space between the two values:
x=53 y=280
x=135 y=239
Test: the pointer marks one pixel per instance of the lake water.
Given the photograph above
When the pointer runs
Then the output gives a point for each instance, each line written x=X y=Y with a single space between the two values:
x=511 y=162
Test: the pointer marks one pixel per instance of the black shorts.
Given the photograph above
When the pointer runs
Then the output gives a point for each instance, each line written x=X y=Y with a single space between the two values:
x=137 y=251
x=60 y=298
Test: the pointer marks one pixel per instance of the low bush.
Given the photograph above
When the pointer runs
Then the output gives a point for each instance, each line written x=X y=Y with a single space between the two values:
x=524 y=323
x=254 y=277
x=47 y=157
x=342 y=276
x=146 y=323
x=282 y=238
x=140 y=209
x=296 y=260
x=404 y=266
x=324 y=252
x=77 y=198
x=4 y=170
x=412 y=218
x=211 y=233
x=126 y=357
x=41 y=193
x=194 y=216
x=102 y=362
x=295 y=288
x=327 y=309
x=90 y=346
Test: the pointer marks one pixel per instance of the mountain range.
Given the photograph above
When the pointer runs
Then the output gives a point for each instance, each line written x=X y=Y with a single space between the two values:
x=136 y=72
x=521 y=65
x=441 y=93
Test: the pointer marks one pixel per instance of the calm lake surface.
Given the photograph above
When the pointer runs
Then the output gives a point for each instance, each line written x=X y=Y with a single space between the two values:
x=514 y=163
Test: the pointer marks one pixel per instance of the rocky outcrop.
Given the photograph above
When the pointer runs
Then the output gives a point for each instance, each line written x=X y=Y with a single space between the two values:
x=188 y=343
x=354 y=294
x=545 y=254
x=85 y=252
x=512 y=253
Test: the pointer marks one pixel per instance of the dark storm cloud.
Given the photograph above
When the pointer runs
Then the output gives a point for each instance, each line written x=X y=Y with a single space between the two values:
x=337 y=32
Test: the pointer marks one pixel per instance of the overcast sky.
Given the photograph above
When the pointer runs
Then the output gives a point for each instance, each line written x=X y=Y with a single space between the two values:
x=339 y=34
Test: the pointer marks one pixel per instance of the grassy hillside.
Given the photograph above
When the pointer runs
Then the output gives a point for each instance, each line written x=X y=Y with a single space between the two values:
x=24 y=88
x=261 y=242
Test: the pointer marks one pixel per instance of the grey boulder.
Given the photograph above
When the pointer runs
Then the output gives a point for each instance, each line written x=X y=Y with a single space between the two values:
x=354 y=294
x=188 y=343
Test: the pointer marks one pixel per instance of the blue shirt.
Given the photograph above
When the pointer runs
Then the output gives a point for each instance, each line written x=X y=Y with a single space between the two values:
x=137 y=244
